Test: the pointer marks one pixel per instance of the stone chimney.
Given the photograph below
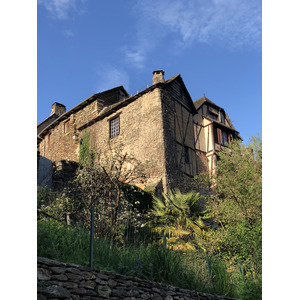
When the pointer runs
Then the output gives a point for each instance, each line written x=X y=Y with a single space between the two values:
x=158 y=76
x=58 y=109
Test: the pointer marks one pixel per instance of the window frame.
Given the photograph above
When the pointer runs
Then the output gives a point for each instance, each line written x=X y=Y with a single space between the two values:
x=113 y=132
x=213 y=114
x=67 y=126
x=220 y=133
x=224 y=137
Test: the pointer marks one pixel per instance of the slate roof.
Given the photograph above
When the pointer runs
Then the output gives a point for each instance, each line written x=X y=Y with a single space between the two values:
x=79 y=107
x=198 y=103
x=46 y=122
x=114 y=107
x=109 y=109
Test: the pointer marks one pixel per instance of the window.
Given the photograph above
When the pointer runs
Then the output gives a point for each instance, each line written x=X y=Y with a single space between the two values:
x=213 y=113
x=213 y=116
x=224 y=137
x=115 y=127
x=67 y=126
x=186 y=154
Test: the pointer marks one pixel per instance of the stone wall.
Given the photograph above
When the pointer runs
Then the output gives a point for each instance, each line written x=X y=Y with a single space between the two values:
x=56 y=280
x=45 y=170
x=141 y=133
x=156 y=126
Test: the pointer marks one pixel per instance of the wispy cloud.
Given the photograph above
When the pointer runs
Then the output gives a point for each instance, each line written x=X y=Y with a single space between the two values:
x=110 y=77
x=136 y=54
x=68 y=32
x=135 y=57
x=231 y=24
x=60 y=9
x=235 y=21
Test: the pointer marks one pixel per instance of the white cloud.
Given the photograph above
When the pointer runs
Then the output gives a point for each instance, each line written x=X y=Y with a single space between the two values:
x=110 y=77
x=230 y=23
x=60 y=9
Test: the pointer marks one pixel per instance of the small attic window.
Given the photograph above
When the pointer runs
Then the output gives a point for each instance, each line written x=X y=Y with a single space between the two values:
x=114 y=125
x=213 y=114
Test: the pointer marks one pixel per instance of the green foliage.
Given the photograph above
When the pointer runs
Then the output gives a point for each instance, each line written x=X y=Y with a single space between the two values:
x=85 y=151
x=236 y=203
x=249 y=288
x=177 y=216
x=50 y=204
x=104 y=181
x=140 y=199
x=70 y=244
x=62 y=242
x=219 y=276
x=223 y=259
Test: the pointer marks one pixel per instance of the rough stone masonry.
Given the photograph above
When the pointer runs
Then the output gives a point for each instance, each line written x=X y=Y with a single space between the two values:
x=57 y=280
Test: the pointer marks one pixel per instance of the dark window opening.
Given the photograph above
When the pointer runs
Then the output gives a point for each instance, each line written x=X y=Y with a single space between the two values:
x=186 y=154
x=114 y=127
x=213 y=116
x=224 y=138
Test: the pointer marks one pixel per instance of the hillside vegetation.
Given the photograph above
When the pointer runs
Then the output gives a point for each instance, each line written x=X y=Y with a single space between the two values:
x=172 y=239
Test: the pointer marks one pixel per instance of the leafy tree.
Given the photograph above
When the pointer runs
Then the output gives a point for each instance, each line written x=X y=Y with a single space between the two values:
x=103 y=181
x=236 y=202
x=52 y=205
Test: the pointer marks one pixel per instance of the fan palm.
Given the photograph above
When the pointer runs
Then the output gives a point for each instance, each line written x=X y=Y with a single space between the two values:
x=177 y=218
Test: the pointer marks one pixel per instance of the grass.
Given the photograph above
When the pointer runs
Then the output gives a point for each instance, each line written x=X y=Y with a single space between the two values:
x=152 y=262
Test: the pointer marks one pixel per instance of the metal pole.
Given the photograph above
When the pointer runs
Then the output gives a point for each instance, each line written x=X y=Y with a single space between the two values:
x=92 y=237
x=165 y=241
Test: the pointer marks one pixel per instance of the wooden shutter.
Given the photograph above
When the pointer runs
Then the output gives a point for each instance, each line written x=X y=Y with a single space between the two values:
x=229 y=138
x=219 y=134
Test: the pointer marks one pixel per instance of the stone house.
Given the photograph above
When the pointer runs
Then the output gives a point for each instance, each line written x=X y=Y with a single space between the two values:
x=160 y=124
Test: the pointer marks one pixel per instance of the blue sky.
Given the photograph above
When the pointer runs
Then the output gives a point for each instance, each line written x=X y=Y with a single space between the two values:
x=85 y=47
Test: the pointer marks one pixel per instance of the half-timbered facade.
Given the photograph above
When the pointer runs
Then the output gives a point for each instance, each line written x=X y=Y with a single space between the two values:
x=161 y=124
x=213 y=130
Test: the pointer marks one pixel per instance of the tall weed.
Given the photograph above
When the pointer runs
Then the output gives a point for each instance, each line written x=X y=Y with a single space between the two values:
x=199 y=272
x=219 y=277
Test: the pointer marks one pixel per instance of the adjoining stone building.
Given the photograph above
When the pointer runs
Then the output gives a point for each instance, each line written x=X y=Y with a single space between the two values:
x=160 y=124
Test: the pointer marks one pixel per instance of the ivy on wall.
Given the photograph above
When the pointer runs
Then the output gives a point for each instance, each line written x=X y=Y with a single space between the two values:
x=84 y=151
